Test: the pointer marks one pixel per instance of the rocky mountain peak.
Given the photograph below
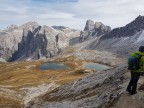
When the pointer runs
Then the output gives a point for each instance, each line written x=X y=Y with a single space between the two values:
x=129 y=30
x=101 y=27
x=30 y=25
x=93 y=30
x=138 y=23
x=11 y=27
x=98 y=24
x=140 y=17
x=89 y=25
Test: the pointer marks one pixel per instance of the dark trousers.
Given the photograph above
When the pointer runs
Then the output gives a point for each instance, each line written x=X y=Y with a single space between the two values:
x=132 y=86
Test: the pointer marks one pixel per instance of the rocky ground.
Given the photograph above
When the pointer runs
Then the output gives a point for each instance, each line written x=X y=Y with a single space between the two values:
x=21 y=82
x=104 y=89
x=128 y=101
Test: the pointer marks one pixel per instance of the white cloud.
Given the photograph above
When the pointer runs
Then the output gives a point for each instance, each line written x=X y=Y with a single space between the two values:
x=111 y=12
x=114 y=13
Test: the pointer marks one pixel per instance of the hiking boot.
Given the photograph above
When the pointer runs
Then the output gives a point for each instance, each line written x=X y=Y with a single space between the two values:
x=132 y=93
x=128 y=90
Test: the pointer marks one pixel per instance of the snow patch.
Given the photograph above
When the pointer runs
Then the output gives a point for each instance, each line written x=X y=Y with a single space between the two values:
x=141 y=37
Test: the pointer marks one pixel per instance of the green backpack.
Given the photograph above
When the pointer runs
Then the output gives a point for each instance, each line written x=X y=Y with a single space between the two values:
x=134 y=62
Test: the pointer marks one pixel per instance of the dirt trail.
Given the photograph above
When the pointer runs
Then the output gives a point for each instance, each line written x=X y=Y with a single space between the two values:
x=130 y=101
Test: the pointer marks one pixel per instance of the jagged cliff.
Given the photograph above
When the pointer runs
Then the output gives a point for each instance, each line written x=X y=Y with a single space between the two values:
x=37 y=43
x=32 y=41
x=120 y=41
x=93 y=30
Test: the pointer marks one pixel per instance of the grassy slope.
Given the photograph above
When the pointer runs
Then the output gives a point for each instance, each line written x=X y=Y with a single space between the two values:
x=17 y=75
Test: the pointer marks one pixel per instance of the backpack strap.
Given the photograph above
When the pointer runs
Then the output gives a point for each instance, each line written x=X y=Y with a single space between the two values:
x=139 y=59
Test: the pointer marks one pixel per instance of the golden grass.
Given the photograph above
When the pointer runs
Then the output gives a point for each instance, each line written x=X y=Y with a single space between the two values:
x=10 y=103
x=23 y=74
x=17 y=75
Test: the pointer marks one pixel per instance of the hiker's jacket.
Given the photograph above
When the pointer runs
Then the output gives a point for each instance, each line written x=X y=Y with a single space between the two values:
x=141 y=62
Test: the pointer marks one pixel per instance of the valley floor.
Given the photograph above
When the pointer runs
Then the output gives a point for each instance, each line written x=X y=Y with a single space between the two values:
x=21 y=82
x=24 y=84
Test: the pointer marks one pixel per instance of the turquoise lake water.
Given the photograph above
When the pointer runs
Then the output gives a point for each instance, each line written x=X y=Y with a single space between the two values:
x=54 y=66
x=95 y=66
x=62 y=66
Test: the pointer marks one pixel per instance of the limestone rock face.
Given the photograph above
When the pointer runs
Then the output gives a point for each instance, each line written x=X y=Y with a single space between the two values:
x=9 y=40
x=123 y=40
x=93 y=30
x=11 y=27
x=36 y=43
x=32 y=41
x=89 y=25
x=98 y=29
x=10 y=37
x=101 y=28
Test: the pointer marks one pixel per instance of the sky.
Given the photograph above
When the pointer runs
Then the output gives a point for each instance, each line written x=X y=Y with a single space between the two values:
x=70 y=13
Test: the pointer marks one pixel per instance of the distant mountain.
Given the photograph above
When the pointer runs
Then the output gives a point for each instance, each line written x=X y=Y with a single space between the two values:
x=32 y=41
x=121 y=40
x=127 y=31
x=93 y=30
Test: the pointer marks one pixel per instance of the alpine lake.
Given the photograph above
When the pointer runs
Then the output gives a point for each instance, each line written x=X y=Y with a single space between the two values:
x=21 y=77
x=62 y=66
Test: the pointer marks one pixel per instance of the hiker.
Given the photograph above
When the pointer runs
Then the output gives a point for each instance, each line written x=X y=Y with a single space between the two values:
x=136 y=66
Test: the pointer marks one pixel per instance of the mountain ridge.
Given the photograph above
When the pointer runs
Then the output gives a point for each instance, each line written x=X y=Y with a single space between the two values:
x=103 y=38
x=120 y=41
x=12 y=38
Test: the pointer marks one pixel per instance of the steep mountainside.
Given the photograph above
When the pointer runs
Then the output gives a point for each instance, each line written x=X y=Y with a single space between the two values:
x=122 y=40
x=32 y=41
x=93 y=30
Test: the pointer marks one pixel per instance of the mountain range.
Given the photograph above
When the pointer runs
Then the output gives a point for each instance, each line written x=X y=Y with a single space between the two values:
x=32 y=41
x=23 y=84
x=120 y=41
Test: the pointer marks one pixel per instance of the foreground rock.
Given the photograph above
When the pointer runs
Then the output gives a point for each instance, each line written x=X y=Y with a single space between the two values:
x=98 y=90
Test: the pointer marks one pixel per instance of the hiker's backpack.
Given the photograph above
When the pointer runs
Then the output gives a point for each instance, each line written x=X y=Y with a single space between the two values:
x=134 y=62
